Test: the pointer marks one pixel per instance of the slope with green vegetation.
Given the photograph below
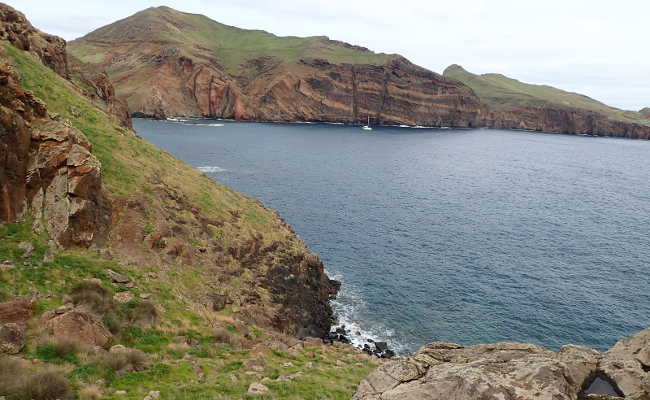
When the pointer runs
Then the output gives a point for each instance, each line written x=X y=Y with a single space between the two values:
x=180 y=285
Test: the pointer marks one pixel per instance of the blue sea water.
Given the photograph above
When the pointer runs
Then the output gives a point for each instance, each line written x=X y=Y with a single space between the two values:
x=468 y=236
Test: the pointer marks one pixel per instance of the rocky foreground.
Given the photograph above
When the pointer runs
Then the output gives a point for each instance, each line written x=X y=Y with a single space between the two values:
x=515 y=371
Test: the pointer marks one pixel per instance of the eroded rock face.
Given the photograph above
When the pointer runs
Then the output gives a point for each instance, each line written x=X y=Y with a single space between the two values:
x=628 y=364
x=15 y=28
x=570 y=121
x=12 y=338
x=498 y=371
x=47 y=170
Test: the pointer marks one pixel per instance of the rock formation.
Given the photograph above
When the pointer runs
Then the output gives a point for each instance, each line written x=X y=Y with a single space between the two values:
x=50 y=49
x=515 y=371
x=47 y=169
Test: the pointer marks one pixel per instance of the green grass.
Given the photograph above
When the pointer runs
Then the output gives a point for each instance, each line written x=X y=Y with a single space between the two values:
x=230 y=46
x=503 y=93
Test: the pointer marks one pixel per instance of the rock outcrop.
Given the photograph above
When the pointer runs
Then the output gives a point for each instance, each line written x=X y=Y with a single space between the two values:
x=628 y=365
x=515 y=371
x=50 y=49
x=563 y=120
x=500 y=371
x=47 y=170
x=80 y=325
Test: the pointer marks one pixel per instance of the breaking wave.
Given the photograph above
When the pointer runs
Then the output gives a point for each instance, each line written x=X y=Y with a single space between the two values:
x=211 y=170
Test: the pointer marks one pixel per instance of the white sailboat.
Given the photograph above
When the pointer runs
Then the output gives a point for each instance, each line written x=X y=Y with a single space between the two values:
x=367 y=127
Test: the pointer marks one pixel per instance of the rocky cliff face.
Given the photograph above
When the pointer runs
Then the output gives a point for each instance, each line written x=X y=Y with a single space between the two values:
x=309 y=90
x=47 y=170
x=515 y=371
x=50 y=49
x=562 y=120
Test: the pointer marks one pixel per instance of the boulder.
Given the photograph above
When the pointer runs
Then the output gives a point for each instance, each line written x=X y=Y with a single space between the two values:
x=627 y=365
x=12 y=338
x=78 y=324
x=117 y=277
x=257 y=388
x=496 y=371
x=123 y=297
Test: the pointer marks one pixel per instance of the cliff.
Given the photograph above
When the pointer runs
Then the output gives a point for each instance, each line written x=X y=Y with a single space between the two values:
x=169 y=63
x=516 y=105
x=645 y=112
x=514 y=371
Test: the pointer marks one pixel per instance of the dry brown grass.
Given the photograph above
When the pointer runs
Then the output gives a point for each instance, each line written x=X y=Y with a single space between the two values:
x=90 y=392
x=222 y=335
x=128 y=360
x=20 y=383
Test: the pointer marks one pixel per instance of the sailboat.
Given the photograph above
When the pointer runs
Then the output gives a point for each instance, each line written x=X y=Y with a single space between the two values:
x=367 y=127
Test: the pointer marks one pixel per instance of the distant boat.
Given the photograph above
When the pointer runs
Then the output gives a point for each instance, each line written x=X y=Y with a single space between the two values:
x=367 y=127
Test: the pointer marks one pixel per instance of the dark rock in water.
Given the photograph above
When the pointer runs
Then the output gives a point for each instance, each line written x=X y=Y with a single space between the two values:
x=381 y=346
x=388 y=354
x=370 y=341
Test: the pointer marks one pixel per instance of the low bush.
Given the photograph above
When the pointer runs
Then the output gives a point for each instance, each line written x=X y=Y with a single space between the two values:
x=20 y=383
x=56 y=349
x=125 y=361
x=223 y=335
x=94 y=296
x=143 y=314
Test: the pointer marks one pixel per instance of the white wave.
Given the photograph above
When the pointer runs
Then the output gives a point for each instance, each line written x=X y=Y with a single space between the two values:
x=349 y=308
x=209 y=124
x=173 y=119
x=211 y=169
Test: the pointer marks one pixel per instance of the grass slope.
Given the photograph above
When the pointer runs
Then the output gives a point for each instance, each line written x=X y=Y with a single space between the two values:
x=229 y=46
x=503 y=93
x=133 y=168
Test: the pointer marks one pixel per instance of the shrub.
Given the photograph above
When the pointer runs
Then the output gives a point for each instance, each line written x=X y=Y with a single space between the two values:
x=143 y=314
x=93 y=295
x=57 y=348
x=90 y=392
x=20 y=383
x=222 y=335
x=127 y=360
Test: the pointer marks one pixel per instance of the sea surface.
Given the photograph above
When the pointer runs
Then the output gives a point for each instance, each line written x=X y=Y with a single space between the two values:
x=467 y=236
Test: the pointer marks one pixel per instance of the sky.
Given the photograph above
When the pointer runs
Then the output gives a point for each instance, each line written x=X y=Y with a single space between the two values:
x=599 y=48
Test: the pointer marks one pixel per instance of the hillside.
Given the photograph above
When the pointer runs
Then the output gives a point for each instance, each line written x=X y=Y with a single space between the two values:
x=515 y=104
x=169 y=63
x=125 y=271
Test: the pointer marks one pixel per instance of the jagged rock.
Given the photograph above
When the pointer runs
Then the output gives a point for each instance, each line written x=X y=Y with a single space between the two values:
x=80 y=325
x=257 y=388
x=503 y=370
x=12 y=338
x=50 y=49
x=627 y=365
x=117 y=277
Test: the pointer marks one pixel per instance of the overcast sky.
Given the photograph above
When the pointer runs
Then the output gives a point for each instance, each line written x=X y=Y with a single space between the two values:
x=600 y=48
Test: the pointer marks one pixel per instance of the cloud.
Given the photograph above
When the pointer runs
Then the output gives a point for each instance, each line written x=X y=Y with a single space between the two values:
x=595 y=46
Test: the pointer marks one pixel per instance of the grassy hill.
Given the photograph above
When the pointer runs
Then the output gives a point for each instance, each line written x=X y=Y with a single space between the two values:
x=503 y=93
x=230 y=47
x=180 y=237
